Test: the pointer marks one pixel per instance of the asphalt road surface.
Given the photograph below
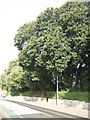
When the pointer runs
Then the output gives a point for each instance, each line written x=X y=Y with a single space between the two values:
x=22 y=110
x=14 y=110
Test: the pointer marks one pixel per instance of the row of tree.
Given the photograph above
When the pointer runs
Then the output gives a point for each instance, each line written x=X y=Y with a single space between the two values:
x=55 y=45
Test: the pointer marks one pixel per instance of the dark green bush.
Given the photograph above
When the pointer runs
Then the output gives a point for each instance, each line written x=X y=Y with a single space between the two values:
x=82 y=96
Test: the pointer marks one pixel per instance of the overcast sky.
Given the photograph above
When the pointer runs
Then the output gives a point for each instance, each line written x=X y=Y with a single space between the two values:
x=13 y=14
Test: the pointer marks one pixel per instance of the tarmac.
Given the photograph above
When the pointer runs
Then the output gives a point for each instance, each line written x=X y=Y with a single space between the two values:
x=52 y=106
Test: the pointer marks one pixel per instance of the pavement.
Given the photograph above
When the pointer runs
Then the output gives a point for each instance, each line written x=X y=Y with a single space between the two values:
x=52 y=106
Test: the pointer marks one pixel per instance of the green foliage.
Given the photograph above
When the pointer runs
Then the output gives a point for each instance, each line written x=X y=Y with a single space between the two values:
x=37 y=94
x=24 y=34
x=81 y=96
x=56 y=44
x=13 y=78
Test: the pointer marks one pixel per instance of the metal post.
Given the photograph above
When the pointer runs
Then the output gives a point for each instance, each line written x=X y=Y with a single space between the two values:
x=57 y=92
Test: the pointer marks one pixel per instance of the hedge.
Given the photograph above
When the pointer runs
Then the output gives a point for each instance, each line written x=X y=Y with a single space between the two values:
x=81 y=96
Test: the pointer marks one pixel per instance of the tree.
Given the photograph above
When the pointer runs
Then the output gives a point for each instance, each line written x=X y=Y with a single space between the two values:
x=13 y=78
x=77 y=29
x=42 y=50
x=57 y=44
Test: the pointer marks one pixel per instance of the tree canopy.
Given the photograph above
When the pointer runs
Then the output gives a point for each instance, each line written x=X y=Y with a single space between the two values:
x=57 y=44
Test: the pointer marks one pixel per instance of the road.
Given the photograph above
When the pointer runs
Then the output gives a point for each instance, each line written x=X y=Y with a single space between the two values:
x=14 y=110
x=22 y=110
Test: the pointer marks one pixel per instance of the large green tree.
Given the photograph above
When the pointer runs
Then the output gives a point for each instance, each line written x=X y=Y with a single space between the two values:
x=56 y=44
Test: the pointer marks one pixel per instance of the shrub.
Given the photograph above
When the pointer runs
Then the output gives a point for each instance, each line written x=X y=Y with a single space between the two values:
x=82 y=96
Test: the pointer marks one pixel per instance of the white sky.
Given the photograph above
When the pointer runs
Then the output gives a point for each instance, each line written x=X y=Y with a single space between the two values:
x=13 y=14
